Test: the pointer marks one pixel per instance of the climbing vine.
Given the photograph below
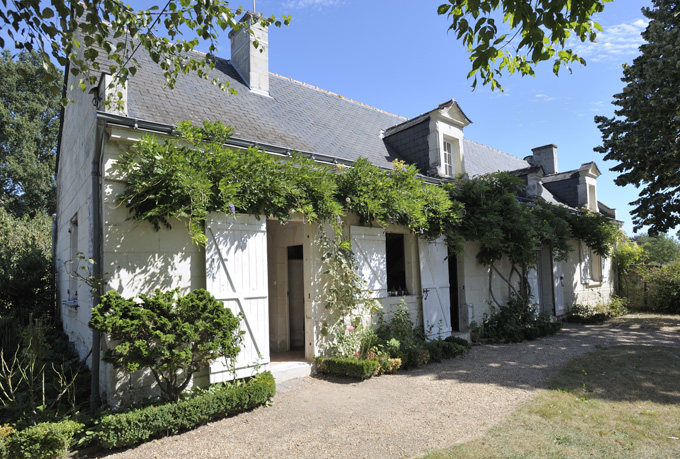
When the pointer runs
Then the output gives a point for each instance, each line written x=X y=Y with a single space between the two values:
x=194 y=173
x=507 y=228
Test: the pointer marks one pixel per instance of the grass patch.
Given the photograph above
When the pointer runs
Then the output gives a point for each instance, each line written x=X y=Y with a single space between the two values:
x=646 y=321
x=622 y=401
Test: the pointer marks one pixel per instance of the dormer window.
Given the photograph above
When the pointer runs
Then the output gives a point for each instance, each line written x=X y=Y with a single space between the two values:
x=447 y=160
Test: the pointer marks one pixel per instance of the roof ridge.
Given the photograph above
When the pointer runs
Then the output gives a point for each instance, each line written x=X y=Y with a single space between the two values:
x=307 y=85
x=495 y=149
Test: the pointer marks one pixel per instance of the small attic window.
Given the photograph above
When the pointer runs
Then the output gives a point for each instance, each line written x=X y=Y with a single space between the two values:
x=447 y=158
x=592 y=198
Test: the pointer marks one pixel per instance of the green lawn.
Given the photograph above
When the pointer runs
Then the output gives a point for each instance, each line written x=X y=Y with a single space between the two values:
x=618 y=402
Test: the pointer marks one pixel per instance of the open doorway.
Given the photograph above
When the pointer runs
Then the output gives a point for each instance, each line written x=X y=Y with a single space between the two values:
x=453 y=291
x=296 y=298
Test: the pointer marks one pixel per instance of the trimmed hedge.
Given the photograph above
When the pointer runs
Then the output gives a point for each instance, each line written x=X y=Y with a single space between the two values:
x=443 y=349
x=42 y=441
x=137 y=426
x=344 y=366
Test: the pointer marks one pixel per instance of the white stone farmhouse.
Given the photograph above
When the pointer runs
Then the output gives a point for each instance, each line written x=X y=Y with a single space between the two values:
x=272 y=272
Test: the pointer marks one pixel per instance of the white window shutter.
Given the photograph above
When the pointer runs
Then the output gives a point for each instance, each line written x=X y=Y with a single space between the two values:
x=585 y=262
x=605 y=268
x=370 y=252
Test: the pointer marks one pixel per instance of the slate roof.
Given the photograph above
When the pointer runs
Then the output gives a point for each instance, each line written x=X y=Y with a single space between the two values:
x=480 y=159
x=296 y=116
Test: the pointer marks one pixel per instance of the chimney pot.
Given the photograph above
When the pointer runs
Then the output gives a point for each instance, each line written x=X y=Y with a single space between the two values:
x=545 y=156
x=250 y=62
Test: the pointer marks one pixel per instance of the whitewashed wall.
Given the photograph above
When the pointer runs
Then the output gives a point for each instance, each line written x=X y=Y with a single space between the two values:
x=578 y=291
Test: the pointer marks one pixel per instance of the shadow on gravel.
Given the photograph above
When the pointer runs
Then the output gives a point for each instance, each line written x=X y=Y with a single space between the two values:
x=527 y=365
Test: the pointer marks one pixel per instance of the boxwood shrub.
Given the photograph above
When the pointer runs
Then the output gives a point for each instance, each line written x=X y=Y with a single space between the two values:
x=42 y=441
x=137 y=426
x=344 y=366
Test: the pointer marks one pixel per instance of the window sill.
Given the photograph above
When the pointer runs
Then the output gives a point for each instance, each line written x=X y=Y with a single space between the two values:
x=71 y=304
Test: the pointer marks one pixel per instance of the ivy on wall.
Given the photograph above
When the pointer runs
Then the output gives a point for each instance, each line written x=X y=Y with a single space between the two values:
x=194 y=173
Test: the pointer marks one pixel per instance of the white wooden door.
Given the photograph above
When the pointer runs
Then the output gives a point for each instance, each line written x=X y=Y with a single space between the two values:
x=236 y=274
x=434 y=276
x=532 y=278
x=370 y=252
x=558 y=288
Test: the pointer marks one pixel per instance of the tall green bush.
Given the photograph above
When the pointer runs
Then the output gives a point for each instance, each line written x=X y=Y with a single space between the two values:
x=26 y=284
x=663 y=287
x=173 y=336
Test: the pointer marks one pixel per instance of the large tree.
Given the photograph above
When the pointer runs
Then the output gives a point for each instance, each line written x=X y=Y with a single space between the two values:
x=82 y=33
x=530 y=32
x=29 y=127
x=644 y=135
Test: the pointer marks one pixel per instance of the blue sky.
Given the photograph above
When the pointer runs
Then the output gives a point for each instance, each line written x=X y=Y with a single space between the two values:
x=397 y=56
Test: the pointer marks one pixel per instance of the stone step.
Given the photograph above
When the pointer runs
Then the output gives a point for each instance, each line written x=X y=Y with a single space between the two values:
x=283 y=371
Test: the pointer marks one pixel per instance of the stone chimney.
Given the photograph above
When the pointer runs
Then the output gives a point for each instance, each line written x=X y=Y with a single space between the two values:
x=545 y=156
x=250 y=62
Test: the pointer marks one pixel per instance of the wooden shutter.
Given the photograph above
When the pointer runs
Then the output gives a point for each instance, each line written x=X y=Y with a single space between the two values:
x=236 y=274
x=558 y=288
x=585 y=262
x=369 y=247
x=434 y=275
x=532 y=278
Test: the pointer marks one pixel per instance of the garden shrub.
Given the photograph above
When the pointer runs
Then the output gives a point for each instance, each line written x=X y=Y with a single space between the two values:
x=172 y=335
x=25 y=267
x=586 y=314
x=440 y=349
x=459 y=341
x=663 y=288
x=136 y=426
x=43 y=441
x=5 y=431
x=347 y=366
x=515 y=322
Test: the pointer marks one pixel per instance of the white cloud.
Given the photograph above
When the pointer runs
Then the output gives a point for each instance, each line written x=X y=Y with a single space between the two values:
x=543 y=97
x=317 y=4
x=617 y=43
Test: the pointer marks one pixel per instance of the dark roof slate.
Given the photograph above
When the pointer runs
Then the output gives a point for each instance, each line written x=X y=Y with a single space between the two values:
x=480 y=159
x=296 y=116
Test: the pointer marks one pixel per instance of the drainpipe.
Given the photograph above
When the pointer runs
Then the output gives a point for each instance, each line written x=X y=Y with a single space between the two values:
x=97 y=256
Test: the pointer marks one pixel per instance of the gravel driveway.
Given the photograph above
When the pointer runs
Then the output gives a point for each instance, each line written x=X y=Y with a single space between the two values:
x=400 y=415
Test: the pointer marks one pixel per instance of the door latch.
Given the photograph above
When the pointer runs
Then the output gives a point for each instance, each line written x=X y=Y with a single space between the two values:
x=425 y=292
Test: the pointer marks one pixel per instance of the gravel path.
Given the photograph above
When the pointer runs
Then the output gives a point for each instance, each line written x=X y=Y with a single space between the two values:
x=400 y=415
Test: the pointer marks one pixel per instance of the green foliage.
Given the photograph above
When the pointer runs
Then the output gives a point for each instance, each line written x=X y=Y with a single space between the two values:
x=515 y=322
x=599 y=232
x=29 y=127
x=459 y=341
x=43 y=441
x=660 y=249
x=532 y=32
x=347 y=301
x=626 y=254
x=642 y=137
x=586 y=314
x=25 y=266
x=494 y=217
x=5 y=432
x=663 y=287
x=82 y=34
x=41 y=377
x=174 y=336
x=137 y=426
x=509 y=229
x=347 y=366
x=194 y=174
x=402 y=340
x=441 y=349
x=396 y=196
